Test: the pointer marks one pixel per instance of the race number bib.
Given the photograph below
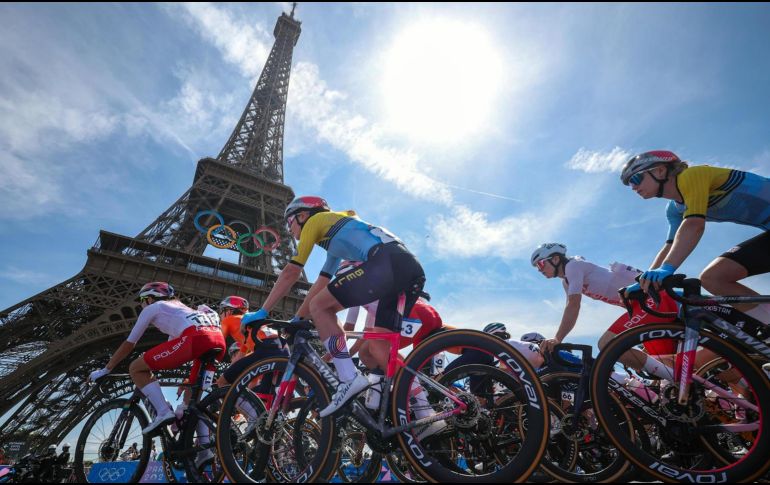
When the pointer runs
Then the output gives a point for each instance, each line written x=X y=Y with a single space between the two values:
x=382 y=233
x=409 y=327
x=439 y=362
x=204 y=319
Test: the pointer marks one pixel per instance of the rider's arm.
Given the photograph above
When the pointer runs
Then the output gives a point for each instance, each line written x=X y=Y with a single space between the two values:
x=290 y=274
x=123 y=351
x=320 y=283
x=570 y=316
x=687 y=237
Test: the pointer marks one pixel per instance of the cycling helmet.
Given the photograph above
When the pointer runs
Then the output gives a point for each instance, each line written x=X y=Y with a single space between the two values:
x=235 y=302
x=646 y=161
x=498 y=330
x=306 y=203
x=157 y=288
x=534 y=337
x=547 y=250
x=65 y=446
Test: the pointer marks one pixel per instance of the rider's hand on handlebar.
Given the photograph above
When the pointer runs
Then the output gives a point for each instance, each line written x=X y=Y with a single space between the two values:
x=250 y=318
x=656 y=276
x=98 y=374
x=547 y=345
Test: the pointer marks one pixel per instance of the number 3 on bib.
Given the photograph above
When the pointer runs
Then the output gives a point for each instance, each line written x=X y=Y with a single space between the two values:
x=409 y=327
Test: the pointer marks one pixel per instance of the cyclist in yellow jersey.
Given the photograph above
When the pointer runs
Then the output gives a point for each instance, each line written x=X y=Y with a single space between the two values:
x=699 y=194
x=387 y=269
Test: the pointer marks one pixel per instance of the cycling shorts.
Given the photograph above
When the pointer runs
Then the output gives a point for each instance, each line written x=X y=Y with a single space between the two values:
x=194 y=342
x=753 y=254
x=389 y=270
x=640 y=317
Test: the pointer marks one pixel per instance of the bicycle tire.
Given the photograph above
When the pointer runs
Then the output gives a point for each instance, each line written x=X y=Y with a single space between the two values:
x=661 y=466
x=531 y=392
x=323 y=464
x=210 y=406
x=554 y=385
x=106 y=449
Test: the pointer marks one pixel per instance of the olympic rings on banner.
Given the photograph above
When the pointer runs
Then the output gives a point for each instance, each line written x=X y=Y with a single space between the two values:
x=224 y=236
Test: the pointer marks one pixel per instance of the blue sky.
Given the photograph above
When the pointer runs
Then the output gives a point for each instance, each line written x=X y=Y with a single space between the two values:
x=510 y=133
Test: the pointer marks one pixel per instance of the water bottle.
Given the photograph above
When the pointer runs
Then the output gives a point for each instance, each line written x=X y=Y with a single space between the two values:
x=373 y=394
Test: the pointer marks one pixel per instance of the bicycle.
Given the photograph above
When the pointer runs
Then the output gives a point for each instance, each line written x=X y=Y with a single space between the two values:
x=118 y=422
x=469 y=456
x=707 y=426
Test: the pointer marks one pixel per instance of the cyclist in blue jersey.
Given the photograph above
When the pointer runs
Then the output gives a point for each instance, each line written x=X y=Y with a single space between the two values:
x=698 y=194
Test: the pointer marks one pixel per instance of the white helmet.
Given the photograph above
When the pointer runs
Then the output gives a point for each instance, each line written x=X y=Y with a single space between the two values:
x=534 y=337
x=547 y=250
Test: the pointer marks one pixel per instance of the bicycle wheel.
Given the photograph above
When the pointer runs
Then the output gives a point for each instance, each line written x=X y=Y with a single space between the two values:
x=246 y=444
x=400 y=467
x=690 y=442
x=210 y=470
x=483 y=443
x=359 y=463
x=582 y=454
x=110 y=431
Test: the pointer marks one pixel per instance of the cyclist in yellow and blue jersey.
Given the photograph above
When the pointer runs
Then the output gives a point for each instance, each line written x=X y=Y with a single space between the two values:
x=698 y=194
x=387 y=269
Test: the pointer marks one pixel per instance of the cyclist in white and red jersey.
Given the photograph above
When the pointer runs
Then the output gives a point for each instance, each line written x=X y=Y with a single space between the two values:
x=581 y=277
x=191 y=333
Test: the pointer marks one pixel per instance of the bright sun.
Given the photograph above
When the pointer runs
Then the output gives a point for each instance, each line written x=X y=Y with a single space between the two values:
x=441 y=80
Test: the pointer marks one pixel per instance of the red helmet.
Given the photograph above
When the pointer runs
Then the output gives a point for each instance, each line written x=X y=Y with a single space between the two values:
x=306 y=203
x=157 y=288
x=645 y=161
x=235 y=302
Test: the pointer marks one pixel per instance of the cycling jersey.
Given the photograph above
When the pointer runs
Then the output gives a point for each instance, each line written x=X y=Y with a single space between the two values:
x=231 y=327
x=343 y=235
x=597 y=282
x=721 y=195
x=171 y=317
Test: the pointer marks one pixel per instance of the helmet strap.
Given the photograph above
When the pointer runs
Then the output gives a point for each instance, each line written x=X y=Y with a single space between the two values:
x=561 y=264
x=661 y=182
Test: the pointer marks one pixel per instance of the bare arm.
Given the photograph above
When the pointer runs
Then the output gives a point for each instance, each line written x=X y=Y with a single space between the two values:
x=687 y=237
x=568 y=320
x=662 y=254
x=123 y=351
x=287 y=278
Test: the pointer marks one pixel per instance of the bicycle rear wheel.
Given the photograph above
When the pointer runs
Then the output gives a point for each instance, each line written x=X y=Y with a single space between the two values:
x=484 y=443
x=209 y=471
x=722 y=433
x=109 y=432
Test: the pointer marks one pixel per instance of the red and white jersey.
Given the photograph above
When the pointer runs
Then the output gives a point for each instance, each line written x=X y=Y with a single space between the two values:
x=597 y=282
x=172 y=318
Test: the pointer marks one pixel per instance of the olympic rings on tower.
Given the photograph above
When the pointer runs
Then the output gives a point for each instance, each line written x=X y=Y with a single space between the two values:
x=224 y=236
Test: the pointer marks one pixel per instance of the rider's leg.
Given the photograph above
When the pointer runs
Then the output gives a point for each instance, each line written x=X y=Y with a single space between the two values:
x=323 y=309
x=721 y=278
x=375 y=354
x=142 y=376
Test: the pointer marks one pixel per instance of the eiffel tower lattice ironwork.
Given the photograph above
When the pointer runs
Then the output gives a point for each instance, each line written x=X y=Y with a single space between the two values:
x=50 y=342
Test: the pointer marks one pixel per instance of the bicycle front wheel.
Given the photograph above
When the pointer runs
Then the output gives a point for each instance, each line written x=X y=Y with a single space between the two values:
x=721 y=433
x=481 y=441
x=108 y=434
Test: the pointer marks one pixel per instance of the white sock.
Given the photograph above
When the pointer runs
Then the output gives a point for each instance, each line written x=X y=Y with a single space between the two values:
x=760 y=312
x=422 y=408
x=203 y=433
x=658 y=369
x=155 y=395
x=338 y=349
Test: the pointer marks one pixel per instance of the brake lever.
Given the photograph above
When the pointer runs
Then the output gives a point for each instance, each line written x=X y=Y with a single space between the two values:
x=626 y=302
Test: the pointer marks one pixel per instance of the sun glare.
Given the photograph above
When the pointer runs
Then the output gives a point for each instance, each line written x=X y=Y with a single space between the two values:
x=441 y=79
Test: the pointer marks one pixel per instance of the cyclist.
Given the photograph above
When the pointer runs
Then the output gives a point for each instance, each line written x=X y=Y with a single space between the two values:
x=261 y=344
x=581 y=277
x=528 y=350
x=191 y=333
x=387 y=269
x=698 y=194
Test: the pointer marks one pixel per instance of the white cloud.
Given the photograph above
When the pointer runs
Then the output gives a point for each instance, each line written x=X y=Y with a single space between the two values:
x=23 y=276
x=593 y=162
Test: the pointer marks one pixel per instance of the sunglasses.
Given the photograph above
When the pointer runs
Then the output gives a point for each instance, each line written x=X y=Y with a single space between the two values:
x=290 y=220
x=540 y=263
x=637 y=178
x=143 y=299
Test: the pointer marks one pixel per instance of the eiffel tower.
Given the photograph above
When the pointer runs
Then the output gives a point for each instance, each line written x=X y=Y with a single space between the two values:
x=50 y=342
